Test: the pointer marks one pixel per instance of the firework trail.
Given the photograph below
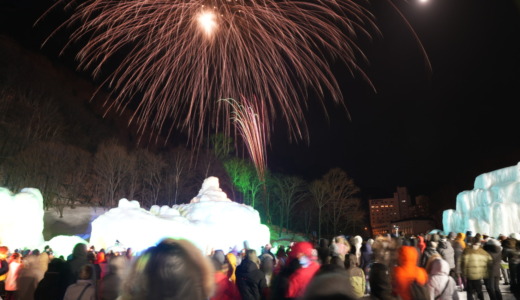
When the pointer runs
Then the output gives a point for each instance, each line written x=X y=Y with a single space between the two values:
x=251 y=121
x=178 y=57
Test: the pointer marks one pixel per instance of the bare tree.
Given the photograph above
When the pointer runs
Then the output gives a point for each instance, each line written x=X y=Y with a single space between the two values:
x=290 y=190
x=112 y=165
x=318 y=190
x=176 y=173
x=306 y=216
x=355 y=216
x=26 y=117
x=60 y=172
x=342 y=204
x=150 y=168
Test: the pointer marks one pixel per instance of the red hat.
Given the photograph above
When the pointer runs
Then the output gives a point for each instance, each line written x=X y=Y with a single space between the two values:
x=304 y=248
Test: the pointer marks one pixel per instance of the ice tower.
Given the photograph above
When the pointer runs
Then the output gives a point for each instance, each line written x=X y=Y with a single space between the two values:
x=491 y=208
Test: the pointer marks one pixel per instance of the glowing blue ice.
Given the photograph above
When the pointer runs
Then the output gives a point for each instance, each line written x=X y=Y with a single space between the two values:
x=491 y=208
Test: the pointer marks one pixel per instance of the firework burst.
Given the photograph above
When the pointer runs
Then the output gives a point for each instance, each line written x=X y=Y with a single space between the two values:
x=181 y=56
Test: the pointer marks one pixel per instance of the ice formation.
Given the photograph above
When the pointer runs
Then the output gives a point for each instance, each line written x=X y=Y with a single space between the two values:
x=211 y=221
x=21 y=223
x=491 y=208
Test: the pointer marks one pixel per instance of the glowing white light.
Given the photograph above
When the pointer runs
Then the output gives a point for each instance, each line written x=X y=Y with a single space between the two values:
x=211 y=221
x=21 y=224
x=207 y=21
x=423 y=1
x=62 y=245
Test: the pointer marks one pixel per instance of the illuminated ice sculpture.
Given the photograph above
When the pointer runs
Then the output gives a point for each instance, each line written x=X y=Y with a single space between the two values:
x=210 y=221
x=491 y=208
x=21 y=222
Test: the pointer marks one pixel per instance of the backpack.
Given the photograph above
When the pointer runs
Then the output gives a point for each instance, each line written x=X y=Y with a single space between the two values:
x=419 y=291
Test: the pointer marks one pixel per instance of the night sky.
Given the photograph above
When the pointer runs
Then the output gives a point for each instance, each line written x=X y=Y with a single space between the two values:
x=431 y=130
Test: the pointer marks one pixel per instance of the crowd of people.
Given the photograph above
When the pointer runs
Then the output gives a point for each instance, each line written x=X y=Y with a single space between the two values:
x=429 y=266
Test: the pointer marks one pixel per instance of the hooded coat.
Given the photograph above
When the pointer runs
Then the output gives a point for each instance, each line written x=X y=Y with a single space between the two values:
x=299 y=280
x=407 y=272
x=232 y=261
x=79 y=258
x=54 y=282
x=493 y=248
x=251 y=281
x=358 y=242
x=356 y=277
x=447 y=252
x=440 y=283
x=430 y=251
x=458 y=247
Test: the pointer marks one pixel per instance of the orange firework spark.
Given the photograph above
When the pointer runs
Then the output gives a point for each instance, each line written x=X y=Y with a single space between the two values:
x=178 y=57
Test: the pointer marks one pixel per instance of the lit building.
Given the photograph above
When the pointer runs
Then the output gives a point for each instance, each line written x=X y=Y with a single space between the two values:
x=382 y=213
x=389 y=214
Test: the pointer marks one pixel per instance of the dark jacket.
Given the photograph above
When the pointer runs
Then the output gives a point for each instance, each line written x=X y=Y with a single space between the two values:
x=79 y=258
x=4 y=266
x=323 y=251
x=251 y=281
x=496 y=253
x=54 y=282
x=366 y=257
x=380 y=282
x=428 y=252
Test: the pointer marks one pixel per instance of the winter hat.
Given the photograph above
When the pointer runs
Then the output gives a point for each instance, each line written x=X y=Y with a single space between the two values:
x=298 y=248
x=452 y=235
x=493 y=242
x=435 y=237
x=219 y=256
x=475 y=240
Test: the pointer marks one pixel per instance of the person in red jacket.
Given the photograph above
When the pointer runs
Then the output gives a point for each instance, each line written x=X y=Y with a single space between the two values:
x=225 y=289
x=407 y=272
x=305 y=253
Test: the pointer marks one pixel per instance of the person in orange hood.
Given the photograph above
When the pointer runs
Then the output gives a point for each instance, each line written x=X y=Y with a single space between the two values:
x=407 y=272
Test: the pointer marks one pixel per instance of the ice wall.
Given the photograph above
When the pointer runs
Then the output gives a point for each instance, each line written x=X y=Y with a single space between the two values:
x=21 y=221
x=492 y=207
